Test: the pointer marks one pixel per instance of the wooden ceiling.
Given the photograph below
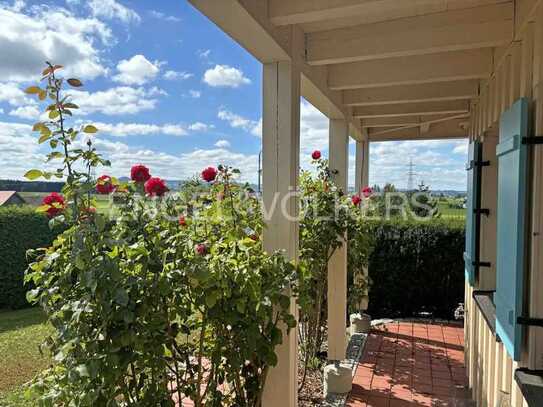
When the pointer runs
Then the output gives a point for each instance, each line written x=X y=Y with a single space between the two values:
x=405 y=68
x=385 y=63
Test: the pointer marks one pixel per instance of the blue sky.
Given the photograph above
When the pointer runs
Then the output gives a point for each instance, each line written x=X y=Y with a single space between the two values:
x=168 y=89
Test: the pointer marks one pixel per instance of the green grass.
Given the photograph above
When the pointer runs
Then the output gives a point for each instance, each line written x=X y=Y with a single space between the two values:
x=35 y=198
x=447 y=212
x=21 y=333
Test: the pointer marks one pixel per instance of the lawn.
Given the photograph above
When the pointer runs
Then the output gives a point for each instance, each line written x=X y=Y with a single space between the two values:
x=448 y=212
x=34 y=199
x=21 y=333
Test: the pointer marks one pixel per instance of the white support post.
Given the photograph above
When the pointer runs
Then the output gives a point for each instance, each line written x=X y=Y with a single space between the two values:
x=366 y=155
x=337 y=266
x=281 y=152
x=362 y=164
x=358 y=166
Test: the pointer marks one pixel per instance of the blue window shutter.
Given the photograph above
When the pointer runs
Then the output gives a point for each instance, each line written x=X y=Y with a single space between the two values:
x=471 y=255
x=511 y=218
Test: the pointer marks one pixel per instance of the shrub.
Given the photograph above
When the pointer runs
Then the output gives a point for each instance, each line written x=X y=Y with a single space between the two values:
x=327 y=217
x=20 y=229
x=416 y=266
x=174 y=297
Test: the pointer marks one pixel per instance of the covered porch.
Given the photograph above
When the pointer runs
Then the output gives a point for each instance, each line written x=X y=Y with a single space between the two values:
x=385 y=70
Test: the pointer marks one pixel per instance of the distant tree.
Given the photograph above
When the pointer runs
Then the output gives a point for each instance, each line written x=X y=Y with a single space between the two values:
x=30 y=186
x=423 y=205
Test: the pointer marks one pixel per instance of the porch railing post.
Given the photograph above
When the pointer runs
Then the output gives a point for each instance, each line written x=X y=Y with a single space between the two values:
x=281 y=146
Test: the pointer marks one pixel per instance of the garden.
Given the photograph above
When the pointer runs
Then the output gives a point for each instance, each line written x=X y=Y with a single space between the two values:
x=172 y=296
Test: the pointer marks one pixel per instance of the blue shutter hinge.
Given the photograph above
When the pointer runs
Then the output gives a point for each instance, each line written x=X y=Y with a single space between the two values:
x=481 y=264
x=532 y=140
x=530 y=321
x=481 y=211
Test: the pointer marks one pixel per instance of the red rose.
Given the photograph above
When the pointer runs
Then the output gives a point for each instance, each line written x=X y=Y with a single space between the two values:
x=55 y=203
x=156 y=186
x=182 y=221
x=254 y=237
x=367 y=192
x=209 y=174
x=104 y=185
x=355 y=199
x=316 y=155
x=201 y=249
x=140 y=173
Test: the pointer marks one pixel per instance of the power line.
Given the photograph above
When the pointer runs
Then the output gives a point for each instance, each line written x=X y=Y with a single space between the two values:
x=411 y=176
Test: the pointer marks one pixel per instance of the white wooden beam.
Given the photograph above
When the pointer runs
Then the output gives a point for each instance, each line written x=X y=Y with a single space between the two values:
x=401 y=121
x=337 y=265
x=449 y=66
x=481 y=27
x=453 y=129
x=286 y=12
x=410 y=109
x=281 y=151
x=430 y=92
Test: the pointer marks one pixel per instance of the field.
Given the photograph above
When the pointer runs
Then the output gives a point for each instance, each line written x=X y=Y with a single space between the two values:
x=448 y=212
x=21 y=333
x=35 y=198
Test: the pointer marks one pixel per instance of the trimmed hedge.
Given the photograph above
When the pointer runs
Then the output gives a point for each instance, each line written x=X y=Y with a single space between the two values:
x=21 y=228
x=416 y=267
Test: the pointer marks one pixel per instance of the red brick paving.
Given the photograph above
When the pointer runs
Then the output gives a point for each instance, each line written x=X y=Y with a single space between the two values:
x=409 y=364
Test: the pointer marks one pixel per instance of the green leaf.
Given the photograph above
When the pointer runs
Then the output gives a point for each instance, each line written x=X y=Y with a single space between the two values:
x=121 y=297
x=100 y=222
x=42 y=95
x=45 y=131
x=90 y=129
x=82 y=370
x=53 y=114
x=76 y=83
x=70 y=105
x=44 y=138
x=33 y=90
x=38 y=126
x=42 y=208
x=33 y=174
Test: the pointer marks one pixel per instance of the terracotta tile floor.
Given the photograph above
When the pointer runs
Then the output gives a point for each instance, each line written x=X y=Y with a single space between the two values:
x=411 y=364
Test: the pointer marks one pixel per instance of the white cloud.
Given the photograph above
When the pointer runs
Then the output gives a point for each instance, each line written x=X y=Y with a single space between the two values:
x=1 y=111
x=115 y=101
x=26 y=112
x=314 y=127
x=111 y=9
x=203 y=53
x=200 y=127
x=432 y=160
x=174 y=75
x=461 y=148
x=225 y=76
x=239 y=122
x=136 y=70
x=162 y=16
x=18 y=150
x=195 y=94
x=53 y=34
x=12 y=94
x=222 y=144
x=139 y=129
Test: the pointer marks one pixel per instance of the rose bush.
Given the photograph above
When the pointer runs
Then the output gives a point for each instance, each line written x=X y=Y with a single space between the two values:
x=174 y=297
x=329 y=219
